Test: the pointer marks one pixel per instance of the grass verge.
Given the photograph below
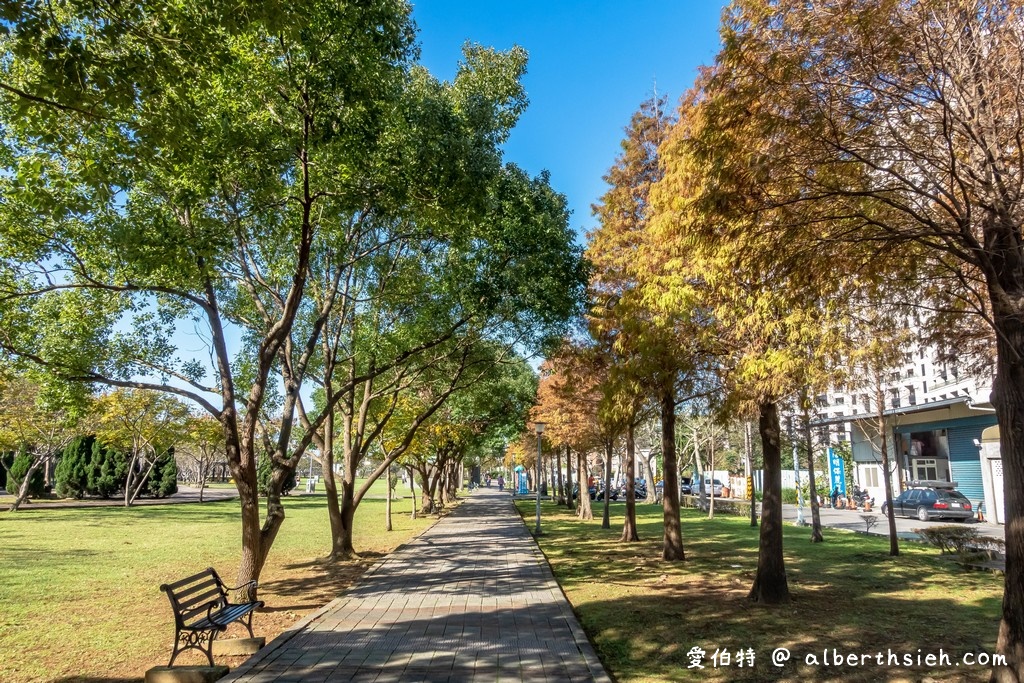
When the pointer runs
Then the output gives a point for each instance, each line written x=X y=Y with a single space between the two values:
x=79 y=588
x=645 y=615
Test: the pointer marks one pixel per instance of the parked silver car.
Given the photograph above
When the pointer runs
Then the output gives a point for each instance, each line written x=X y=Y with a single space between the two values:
x=711 y=486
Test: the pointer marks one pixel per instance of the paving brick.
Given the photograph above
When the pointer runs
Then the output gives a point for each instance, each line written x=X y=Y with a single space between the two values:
x=471 y=599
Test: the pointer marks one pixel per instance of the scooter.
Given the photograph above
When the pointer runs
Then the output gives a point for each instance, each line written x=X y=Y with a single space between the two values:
x=861 y=497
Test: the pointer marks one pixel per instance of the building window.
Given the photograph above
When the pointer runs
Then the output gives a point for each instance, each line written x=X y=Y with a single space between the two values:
x=870 y=475
x=911 y=395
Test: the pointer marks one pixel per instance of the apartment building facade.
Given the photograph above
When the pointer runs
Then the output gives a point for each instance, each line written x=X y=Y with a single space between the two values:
x=935 y=420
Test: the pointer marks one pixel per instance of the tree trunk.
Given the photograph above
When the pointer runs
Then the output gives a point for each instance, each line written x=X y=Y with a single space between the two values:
x=1008 y=399
x=816 y=536
x=412 y=489
x=387 y=503
x=558 y=474
x=629 y=526
x=648 y=474
x=673 y=542
x=752 y=494
x=22 y=494
x=770 y=585
x=342 y=547
x=711 y=452
x=586 y=510
x=569 y=502
x=894 y=540
x=606 y=522
x=241 y=459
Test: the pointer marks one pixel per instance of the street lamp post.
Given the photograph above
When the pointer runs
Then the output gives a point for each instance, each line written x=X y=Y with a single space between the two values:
x=539 y=427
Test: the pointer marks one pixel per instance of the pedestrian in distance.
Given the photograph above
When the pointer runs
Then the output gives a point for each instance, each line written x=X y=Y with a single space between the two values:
x=835 y=496
x=501 y=483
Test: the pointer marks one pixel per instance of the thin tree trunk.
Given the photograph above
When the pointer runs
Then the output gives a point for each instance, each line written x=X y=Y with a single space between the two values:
x=569 y=502
x=805 y=403
x=752 y=494
x=629 y=533
x=648 y=474
x=412 y=488
x=586 y=510
x=558 y=473
x=711 y=451
x=894 y=539
x=387 y=503
x=673 y=541
x=770 y=585
x=606 y=522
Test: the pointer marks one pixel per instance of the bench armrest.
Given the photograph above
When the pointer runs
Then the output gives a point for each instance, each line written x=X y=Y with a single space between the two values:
x=252 y=583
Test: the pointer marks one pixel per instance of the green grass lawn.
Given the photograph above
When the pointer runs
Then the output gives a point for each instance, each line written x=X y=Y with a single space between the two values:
x=644 y=614
x=79 y=588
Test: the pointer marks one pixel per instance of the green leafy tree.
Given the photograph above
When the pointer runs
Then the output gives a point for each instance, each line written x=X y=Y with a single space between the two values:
x=40 y=416
x=314 y=148
x=136 y=427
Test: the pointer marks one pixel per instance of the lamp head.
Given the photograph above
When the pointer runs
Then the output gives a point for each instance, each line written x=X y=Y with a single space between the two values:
x=539 y=427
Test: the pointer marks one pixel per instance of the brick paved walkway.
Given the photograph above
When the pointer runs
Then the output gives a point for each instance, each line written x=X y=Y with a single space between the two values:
x=471 y=599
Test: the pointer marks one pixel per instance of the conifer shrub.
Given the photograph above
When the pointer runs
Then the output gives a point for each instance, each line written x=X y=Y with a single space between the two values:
x=107 y=471
x=16 y=474
x=163 y=478
x=72 y=473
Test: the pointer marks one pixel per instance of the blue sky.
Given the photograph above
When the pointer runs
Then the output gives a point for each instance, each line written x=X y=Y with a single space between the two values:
x=591 y=65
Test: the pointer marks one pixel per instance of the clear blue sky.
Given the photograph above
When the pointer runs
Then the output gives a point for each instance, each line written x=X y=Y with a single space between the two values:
x=591 y=65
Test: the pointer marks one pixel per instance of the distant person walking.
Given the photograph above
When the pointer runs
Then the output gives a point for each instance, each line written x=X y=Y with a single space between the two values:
x=501 y=483
x=835 y=496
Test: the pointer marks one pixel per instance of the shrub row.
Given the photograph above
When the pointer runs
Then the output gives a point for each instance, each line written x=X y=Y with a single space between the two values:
x=88 y=468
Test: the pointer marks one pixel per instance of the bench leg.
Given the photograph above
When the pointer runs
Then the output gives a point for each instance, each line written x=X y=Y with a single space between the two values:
x=248 y=625
x=193 y=640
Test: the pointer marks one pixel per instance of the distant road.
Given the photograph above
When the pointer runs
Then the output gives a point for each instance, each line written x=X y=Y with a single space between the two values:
x=905 y=526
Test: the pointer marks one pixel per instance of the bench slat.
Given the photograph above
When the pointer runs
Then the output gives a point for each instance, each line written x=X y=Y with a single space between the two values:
x=206 y=573
x=194 y=588
x=220 y=620
x=201 y=599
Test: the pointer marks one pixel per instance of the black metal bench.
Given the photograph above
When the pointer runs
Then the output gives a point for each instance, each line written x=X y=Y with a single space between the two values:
x=202 y=610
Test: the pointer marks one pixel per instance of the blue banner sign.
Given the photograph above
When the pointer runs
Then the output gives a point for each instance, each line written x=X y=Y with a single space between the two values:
x=836 y=472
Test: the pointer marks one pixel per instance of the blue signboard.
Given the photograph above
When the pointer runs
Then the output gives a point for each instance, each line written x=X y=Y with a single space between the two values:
x=836 y=472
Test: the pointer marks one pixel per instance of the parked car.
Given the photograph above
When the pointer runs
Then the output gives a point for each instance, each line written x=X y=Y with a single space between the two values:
x=685 y=487
x=711 y=486
x=931 y=500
